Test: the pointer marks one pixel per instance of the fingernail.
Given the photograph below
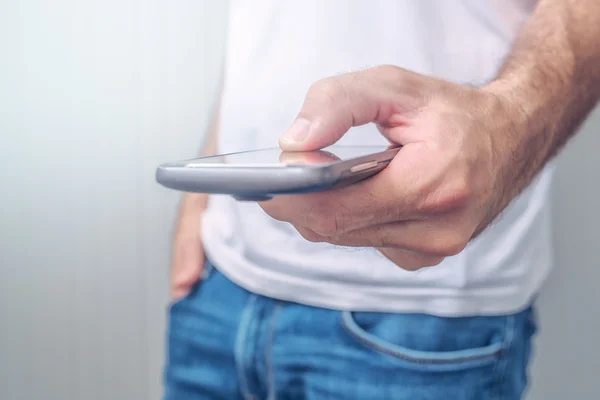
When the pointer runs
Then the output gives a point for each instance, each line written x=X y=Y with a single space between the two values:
x=297 y=133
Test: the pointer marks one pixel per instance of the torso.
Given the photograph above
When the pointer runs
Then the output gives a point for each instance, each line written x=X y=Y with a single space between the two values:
x=276 y=50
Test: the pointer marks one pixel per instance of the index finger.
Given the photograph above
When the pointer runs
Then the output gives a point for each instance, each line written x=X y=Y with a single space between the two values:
x=373 y=201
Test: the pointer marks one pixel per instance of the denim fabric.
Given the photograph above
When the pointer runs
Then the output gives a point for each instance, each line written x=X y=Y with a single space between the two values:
x=227 y=343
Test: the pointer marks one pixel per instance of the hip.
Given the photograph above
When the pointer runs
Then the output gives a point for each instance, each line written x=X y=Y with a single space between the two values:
x=259 y=347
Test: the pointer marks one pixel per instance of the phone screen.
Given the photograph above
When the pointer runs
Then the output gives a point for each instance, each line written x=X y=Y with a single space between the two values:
x=275 y=156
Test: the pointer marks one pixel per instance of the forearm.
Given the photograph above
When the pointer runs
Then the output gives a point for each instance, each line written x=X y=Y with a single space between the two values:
x=193 y=204
x=551 y=82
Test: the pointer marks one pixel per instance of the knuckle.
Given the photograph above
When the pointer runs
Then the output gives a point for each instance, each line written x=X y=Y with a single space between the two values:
x=330 y=89
x=388 y=70
x=448 y=245
x=386 y=238
x=327 y=225
x=433 y=261
x=328 y=221
x=422 y=262
x=309 y=235
x=276 y=216
x=453 y=197
x=409 y=267
x=460 y=193
x=273 y=210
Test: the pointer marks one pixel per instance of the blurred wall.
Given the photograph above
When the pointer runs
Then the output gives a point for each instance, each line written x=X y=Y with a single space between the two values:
x=567 y=353
x=94 y=94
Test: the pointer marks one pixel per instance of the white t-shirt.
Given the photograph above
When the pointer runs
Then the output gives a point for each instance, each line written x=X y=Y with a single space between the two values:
x=276 y=49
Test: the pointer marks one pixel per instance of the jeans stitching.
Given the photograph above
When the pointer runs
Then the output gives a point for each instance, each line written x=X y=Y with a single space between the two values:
x=502 y=366
x=528 y=351
x=491 y=356
x=269 y=354
x=241 y=340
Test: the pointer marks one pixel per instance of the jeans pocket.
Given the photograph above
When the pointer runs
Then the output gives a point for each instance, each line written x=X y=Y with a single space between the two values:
x=207 y=271
x=427 y=342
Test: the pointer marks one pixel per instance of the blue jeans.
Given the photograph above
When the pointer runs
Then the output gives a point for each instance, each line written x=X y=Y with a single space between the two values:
x=227 y=343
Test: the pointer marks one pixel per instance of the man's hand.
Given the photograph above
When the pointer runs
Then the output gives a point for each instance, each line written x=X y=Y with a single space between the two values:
x=467 y=151
x=445 y=185
x=188 y=255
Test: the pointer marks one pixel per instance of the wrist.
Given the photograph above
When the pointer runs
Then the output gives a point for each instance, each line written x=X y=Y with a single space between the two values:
x=506 y=121
x=516 y=150
x=509 y=101
x=190 y=215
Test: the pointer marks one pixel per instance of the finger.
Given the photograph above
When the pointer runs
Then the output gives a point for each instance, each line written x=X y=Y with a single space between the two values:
x=439 y=237
x=333 y=105
x=336 y=211
x=187 y=267
x=408 y=260
x=307 y=158
x=187 y=275
x=405 y=259
x=392 y=195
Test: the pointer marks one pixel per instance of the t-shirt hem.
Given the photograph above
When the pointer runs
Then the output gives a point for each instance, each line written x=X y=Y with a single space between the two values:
x=455 y=304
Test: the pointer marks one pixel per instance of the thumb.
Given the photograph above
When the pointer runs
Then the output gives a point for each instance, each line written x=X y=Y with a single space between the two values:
x=331 y=107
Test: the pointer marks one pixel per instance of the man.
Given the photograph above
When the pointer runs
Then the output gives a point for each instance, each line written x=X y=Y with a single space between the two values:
x=326 y=295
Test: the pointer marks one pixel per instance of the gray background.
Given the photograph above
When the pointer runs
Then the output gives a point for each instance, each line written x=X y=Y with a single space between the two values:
x=94 y=94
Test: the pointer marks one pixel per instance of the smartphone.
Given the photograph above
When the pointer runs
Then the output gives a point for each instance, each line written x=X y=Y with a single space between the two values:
x=259 y=175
